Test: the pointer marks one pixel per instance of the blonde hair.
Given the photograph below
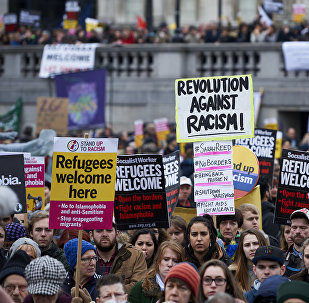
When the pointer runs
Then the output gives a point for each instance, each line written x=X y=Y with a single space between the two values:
x=24 y=246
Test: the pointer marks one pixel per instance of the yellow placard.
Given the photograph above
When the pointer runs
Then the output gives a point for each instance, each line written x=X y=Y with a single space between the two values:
x=34 y=192
x=70 y=24
x=278 y=150
x=185 y=213
x=161 y=136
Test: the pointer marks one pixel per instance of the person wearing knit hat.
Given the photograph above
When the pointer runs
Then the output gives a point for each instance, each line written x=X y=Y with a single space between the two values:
x=12 y=276
x=181 y=284
x=28 y=245
x=293 y=291
x=14 y=231
x=88 y=276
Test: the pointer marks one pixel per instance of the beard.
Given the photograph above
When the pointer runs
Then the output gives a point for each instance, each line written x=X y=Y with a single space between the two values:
x=298 y=241
x=105 y=247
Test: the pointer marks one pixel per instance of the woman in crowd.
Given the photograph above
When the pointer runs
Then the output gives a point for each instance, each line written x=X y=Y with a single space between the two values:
x=145 y=240
x=27 y=245
x=178 y=229
x=148 y=290
x=303 y=275
x=250 y=240
x=215 y=277
x=181 y=284
x=285 y=237
x=201 y=244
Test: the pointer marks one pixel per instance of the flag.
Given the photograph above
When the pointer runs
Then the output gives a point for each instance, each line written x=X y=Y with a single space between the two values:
x=10 y=120
x=140 y=24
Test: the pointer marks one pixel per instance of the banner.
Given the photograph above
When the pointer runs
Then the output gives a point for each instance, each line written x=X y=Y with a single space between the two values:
x=214 y=108
x=83 y=183
x=299 y=12
x=52 y=113
x=30 y=18
x=138 y=133
x=171 y=163
x=293 y=185
x=86 y=94
x=213 y=178
x=263 y=145
x=12 y=174
x=35 y=183
x=10 y=22
x=66 y=58
x=140 y=200
x=162 y=130
x=10 y=120
x=296 y=55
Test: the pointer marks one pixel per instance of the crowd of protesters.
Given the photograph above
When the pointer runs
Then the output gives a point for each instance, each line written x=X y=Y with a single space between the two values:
x=227 y=259
x=254 y=32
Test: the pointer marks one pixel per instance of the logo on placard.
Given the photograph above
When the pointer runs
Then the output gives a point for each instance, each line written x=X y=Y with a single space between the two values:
x=73 y=146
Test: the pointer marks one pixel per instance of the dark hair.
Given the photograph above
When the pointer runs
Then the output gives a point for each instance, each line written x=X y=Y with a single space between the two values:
x=237 y=217
x=106 y=280
x=264 y=186
x=146 y=231
x=213 y=248
x=179 y=223
x=231 y=286
x=69 y=234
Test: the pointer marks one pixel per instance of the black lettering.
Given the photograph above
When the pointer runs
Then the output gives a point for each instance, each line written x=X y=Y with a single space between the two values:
x=180 y=89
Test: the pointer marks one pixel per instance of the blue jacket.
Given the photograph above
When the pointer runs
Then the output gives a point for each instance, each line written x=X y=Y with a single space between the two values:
x=252 y=294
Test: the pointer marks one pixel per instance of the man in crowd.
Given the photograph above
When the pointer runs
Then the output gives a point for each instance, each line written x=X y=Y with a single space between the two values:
x=43 y=236
x=228 y=231
x=185 y=192
x=123 y=260
x=110 y=287
x=268 y=261
x=299 y=233
x=12 y=276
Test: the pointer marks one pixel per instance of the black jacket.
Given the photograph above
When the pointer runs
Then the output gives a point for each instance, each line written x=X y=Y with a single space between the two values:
x=294 y=264
x=268 y=215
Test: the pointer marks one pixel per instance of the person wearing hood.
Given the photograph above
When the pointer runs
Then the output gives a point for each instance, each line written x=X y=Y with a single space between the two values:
x=27 y=245
x=268 y=261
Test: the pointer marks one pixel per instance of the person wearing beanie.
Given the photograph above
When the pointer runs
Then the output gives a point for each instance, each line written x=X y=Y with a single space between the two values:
x=14 y=231
x=293 y=292
x=181 y=284
x=88 y=276
x=12 y=276
x=45 y=276
x=28 y=245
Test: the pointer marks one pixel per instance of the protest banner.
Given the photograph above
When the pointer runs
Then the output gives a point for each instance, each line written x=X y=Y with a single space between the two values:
x=86 y=94
x=293 y=185
x=66 y=58
x=185 y=213
x=52 y=113
x=138 y=133
x=278 y=145
x=140 y=200
x=83 y=183
x=245 y=170
x=10 y=22
x=213 y=178
x=11 y=119
x=162 y=130
x=30 y=18
x=254 y=197
x=299 y=12
x=35 y=183
x=263 y=146
x=12 y=174
x=295 y=55
x=214 y=108
x=171 y=163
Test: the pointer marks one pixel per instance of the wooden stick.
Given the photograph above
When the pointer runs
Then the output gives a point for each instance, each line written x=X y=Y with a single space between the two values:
x=79 y=253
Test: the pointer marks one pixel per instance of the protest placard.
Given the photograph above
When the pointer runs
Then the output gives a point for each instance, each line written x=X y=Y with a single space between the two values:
x=35 y=183
x=171 y=165
x=295 y=55
x=293 y=186
x=213 y=178
x=245 y=170
x=185 y=213
x=263 y=145
x=12 y=174
x=83 y=183
x=140 y=200
x=214 y=108
x=138 y=133
x=66 y=58
x=162 y=130
x=30 y=17
x=52 y=113
x=86 y=94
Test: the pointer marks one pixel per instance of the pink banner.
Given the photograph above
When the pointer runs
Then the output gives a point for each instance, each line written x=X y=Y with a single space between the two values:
x=213 y=153
x=34 y=175
x=214 y=167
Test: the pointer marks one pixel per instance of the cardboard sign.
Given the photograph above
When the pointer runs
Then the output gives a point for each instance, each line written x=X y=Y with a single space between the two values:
x=138 y=133
x=66 y=58
x=35 y=183
x=214 y=108
x=263 y=145
x=245 y=171
x=293 y=186
x=83 y=183
x=213 y=178
x=12 y=174
x=185 y=213
x=30 y=17
x=52 y=113
x=171 y=163
x=162 y=130
x=140 y=200
x=296 y=55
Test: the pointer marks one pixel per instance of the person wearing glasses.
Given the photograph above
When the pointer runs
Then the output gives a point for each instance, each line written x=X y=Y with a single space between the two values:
x=88 y=276
x=110 y=287
x=215 y=277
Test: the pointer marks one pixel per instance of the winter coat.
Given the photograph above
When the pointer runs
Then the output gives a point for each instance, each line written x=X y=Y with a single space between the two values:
x=252 y=294
x=293 y=264
x=268 y=214
x=301 y=276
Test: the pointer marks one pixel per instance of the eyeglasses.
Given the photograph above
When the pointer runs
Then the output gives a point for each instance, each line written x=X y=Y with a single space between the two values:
x=218 y=281
x=10 y=288
x=88 y=260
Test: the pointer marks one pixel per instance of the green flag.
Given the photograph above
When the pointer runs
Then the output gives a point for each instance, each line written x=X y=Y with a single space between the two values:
x=10 y=120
